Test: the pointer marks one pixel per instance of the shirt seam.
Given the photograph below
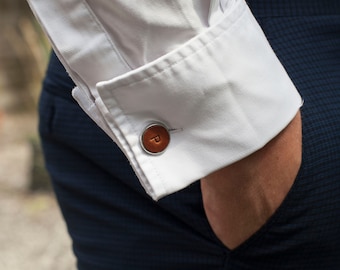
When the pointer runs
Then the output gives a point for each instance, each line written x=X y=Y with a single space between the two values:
x=107 y=36
x=193 y=52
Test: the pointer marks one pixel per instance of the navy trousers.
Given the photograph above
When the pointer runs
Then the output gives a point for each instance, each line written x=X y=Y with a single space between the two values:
x=114 y=225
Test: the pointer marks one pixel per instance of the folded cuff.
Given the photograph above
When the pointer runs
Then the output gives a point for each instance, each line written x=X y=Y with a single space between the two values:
x=222 y=96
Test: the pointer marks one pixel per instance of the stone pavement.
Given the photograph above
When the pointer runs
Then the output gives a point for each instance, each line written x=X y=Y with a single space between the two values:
x=32 y=232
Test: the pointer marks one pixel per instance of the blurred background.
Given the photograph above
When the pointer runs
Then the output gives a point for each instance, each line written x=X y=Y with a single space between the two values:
x=32 y=232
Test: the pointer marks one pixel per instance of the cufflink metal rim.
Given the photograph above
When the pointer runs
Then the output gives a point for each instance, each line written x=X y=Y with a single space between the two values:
x=163 y=146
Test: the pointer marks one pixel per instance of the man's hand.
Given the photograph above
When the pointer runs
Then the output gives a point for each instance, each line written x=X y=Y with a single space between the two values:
x=240 y=198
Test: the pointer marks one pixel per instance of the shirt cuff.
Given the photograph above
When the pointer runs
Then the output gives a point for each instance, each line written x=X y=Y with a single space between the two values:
x=211 y=102
x=221 y=96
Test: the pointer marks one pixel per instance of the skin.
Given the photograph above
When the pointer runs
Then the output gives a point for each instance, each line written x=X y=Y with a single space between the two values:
x=240 y=198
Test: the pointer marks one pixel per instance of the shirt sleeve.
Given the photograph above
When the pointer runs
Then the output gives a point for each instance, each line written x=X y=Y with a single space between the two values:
x=183 y=88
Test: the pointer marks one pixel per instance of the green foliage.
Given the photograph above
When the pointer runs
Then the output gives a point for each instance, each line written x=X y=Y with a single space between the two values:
x=24 y=52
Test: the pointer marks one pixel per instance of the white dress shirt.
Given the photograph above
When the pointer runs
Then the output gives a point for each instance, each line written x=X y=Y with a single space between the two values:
x=202 y=69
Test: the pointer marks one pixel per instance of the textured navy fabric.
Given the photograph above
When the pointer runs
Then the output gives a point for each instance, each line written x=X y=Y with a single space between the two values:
x=113 y=223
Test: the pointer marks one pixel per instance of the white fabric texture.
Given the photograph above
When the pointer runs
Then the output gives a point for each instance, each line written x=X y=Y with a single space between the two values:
x=202 y=68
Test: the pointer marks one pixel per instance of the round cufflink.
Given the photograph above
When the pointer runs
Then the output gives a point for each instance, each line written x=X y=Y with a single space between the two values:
x=155 y=139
